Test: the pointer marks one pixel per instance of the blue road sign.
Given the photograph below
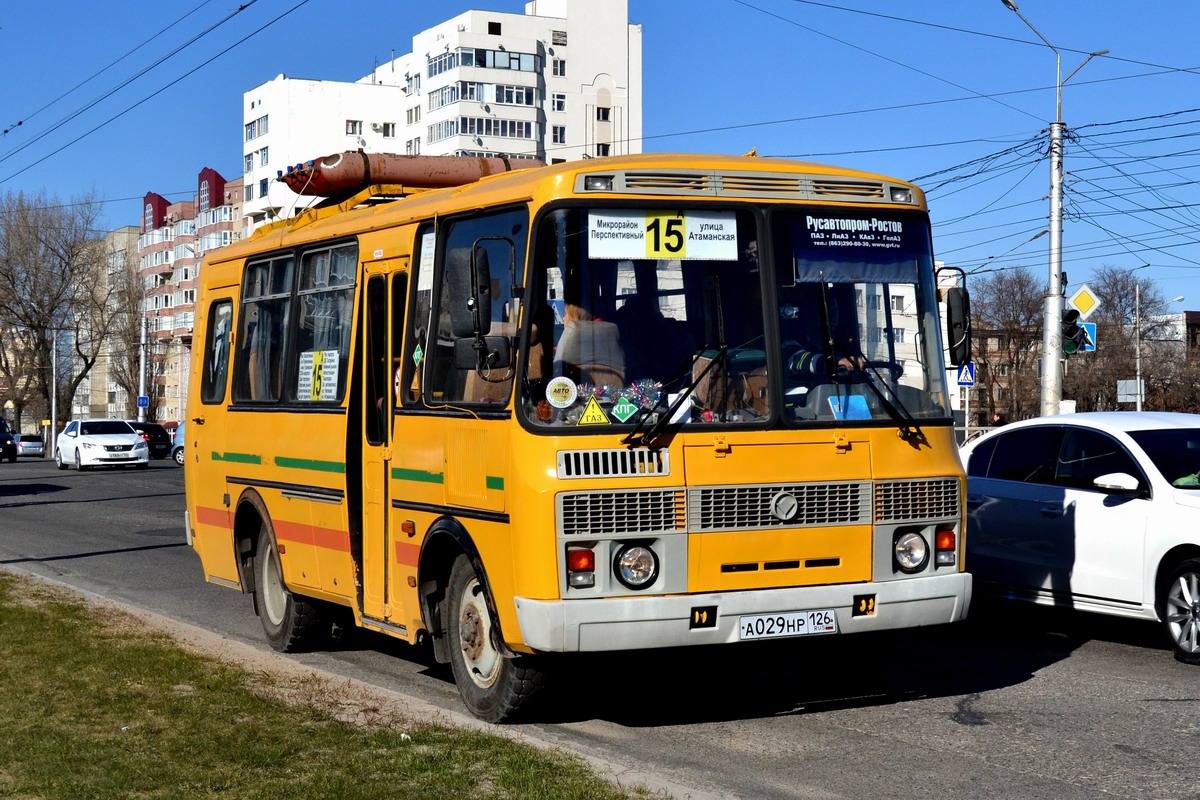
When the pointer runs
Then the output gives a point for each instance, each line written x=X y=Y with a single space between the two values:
x=143 y=401
x=966 y=374
x=1090 y=329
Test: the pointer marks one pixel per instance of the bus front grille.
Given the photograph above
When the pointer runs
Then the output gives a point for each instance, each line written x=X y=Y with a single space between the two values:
x=621 y=513
x=920 y=499
x=613 y=463
x=717 y=508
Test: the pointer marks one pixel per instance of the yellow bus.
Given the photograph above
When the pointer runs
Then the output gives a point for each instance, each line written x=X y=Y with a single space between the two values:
x=633 y=402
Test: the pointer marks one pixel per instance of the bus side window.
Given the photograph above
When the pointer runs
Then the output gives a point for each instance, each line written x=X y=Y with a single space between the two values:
x=266 y=306
x=503 y=237
x=216 y=353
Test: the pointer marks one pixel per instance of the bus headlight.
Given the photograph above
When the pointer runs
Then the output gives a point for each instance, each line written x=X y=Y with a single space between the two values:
x=911 y=551
x=636 y=566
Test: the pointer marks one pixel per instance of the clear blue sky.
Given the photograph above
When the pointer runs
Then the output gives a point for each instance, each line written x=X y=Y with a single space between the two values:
x=938 y=90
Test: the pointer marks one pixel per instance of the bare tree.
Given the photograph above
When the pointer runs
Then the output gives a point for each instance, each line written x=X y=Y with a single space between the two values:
x=52 y=276
x=1006 y=305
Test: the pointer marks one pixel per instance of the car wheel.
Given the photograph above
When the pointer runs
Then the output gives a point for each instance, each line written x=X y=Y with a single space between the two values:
x=58 y=461
x=79 y=462
x=493 y=685
x=178 y=456
x=1179 y=609
x=291 y=623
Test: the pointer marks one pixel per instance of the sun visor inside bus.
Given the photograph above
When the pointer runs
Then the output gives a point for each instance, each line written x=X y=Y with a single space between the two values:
x=856 y=272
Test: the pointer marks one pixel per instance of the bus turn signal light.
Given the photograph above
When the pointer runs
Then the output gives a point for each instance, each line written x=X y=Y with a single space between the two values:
x=946 y=545
x=581 y=567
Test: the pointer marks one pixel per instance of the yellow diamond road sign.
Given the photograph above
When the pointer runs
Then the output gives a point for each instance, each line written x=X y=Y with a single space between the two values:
x=1084 y=301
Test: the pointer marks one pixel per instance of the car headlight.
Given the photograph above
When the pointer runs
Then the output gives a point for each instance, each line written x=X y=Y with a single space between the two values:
x=911 y=551
x=88 y=445
x=140 y=446
x=636 y=566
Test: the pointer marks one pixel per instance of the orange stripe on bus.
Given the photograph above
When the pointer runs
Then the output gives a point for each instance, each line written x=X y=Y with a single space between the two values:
x=329 y=538
x=212 y=516
x=407 y=554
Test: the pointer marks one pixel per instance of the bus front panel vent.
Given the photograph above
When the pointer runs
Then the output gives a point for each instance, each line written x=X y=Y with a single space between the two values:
x=613 y=463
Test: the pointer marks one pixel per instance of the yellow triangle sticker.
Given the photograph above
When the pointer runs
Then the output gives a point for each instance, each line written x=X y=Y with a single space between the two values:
x=593 y=414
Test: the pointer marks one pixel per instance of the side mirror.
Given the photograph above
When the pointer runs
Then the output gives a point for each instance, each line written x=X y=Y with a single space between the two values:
x=496 y=353
x=1117 y=483
x=469 y=280
x=958 y=325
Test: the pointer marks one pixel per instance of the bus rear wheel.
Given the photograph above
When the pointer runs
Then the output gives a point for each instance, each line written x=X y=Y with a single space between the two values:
x=493 y=685
x=291 y=623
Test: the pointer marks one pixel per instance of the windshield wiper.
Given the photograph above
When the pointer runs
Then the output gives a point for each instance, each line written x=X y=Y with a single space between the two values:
x=639 y=438
x=909 y=428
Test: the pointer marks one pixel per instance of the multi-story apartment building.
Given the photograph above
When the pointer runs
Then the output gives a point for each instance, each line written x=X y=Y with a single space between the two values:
x=175 y=237
x=100 y=395
x=561 y=81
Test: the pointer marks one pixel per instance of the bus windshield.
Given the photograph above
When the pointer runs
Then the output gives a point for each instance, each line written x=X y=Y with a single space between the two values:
x=631 y=308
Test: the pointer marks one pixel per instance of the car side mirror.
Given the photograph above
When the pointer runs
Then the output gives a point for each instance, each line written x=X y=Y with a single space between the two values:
x=1117 y=483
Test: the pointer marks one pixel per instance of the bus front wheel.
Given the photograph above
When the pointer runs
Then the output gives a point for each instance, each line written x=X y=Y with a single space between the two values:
x=290 y=622
x=493 y=685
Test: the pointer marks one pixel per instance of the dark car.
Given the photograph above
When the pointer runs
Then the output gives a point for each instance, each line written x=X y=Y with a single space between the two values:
x=8 y=448
x=156 y=436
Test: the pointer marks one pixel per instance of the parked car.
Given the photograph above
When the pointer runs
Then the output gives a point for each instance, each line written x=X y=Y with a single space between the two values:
x=29 y=444
x=1098 y=512
x=8 y=447
x=98 y=442
x=177 y=445
x=158 y=437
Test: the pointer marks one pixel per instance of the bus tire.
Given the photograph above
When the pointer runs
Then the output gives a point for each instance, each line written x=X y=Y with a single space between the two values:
x=493 y=685
x=291 y=623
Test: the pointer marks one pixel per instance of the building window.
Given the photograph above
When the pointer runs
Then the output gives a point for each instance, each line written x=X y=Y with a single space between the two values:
x=389 y=130
x=256 y=128
x=262 y=188
x=249 y=161
x=149 y=223
x=354 y=127
x=204 y=195
x=558 y=38
x=489 y=126
x=558 y=102
x=558 y=134
x=413 y=115
x=603 y=113
x=262 y=157
x=603 y=149
x=493 y=29
x=516 y=95
x=249 y=192
x=443 y=130
x=441 y=63
x=559 y=67
x=897 y=304
x=438 y=98
x=412 y=83
x=413 y=147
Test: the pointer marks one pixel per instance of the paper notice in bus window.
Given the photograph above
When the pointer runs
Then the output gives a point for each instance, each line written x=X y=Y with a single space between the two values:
x=425 y=271
x=318 y=376
x=691 y=235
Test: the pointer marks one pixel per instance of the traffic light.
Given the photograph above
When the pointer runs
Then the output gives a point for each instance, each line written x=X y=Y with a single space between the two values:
x=1073 y=335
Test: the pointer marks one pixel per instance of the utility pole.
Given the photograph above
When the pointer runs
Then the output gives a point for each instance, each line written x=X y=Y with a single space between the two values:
x=1052 y=352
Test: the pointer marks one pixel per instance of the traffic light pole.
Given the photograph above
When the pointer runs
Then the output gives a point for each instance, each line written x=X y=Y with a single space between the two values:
x=1052 y=352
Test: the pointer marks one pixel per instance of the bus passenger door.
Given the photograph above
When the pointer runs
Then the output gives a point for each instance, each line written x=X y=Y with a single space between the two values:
x=375 y=449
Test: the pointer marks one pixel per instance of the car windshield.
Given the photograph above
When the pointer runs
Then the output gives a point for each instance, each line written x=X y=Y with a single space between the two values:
x=1175 y=452
x=102 y=427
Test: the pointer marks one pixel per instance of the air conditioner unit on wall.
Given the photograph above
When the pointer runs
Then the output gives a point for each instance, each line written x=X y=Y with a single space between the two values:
x=377 y=127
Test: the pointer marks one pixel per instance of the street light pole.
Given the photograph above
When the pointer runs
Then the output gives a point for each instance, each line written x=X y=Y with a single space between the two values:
x=1137 y=337
x=1052 y=352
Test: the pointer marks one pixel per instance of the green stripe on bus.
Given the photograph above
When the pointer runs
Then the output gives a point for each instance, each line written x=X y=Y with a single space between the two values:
x=495 y=482
x=237 y=458
x=417 y=475
x=312 y=464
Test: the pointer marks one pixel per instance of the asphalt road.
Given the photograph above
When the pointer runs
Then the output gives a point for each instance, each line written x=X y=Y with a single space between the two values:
x=1013 y=703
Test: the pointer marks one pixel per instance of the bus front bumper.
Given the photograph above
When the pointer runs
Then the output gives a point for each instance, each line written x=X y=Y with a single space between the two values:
x=632 y=623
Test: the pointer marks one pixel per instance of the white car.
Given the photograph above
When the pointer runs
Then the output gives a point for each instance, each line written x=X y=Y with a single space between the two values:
x=100 y=442
x=1098 y=512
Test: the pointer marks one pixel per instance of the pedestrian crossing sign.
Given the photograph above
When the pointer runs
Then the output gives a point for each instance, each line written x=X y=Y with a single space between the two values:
x=966 y=374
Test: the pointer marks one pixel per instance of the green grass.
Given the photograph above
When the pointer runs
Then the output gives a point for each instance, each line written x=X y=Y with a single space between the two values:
x=95 y=705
